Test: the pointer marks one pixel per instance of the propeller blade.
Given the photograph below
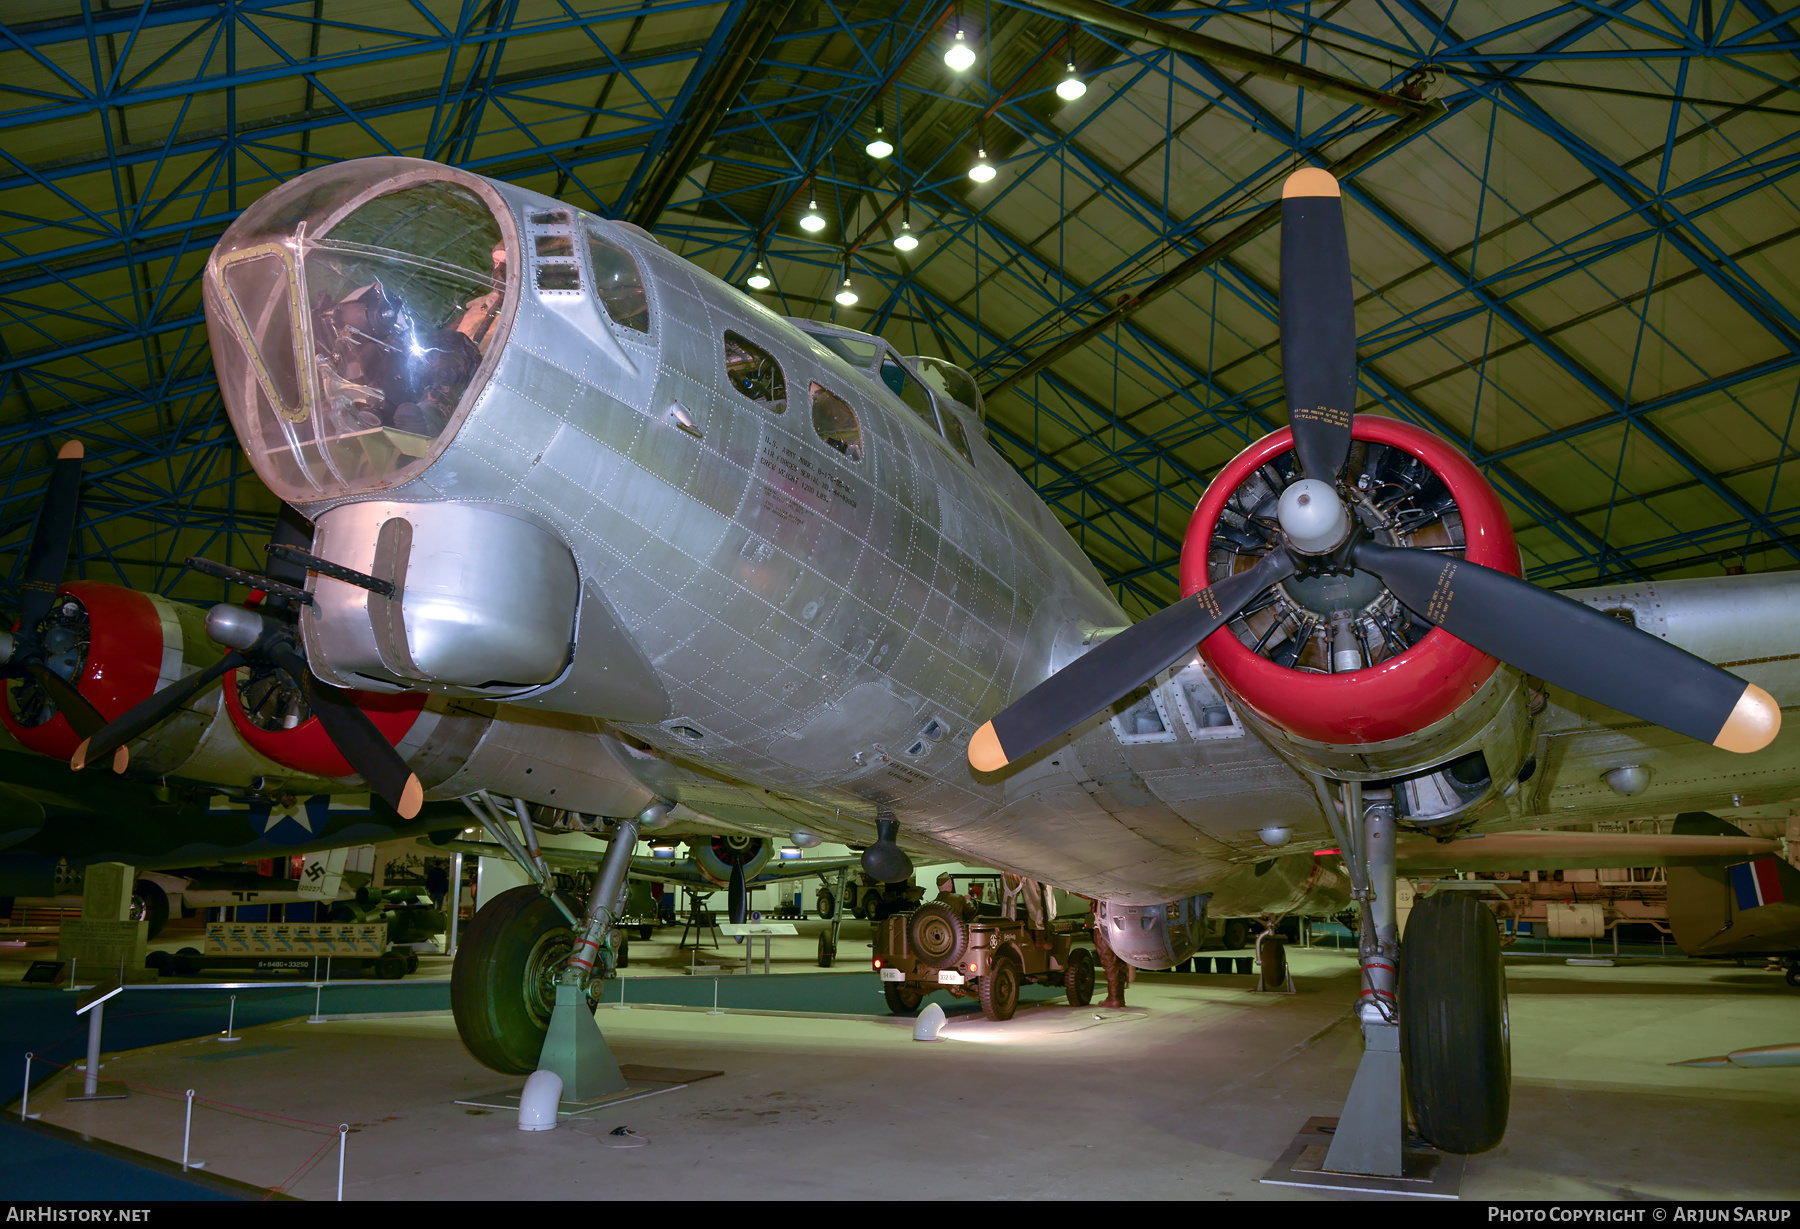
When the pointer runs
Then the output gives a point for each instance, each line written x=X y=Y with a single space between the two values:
x=83 y=717
x=1577 y=647
x=49 y=556
x=370 y=754
x=737 y=896
x=1113 y=669
x=1318 y=323
x=110 y=740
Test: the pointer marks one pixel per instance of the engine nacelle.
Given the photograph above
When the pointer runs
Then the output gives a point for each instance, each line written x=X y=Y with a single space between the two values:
x=715 y=856
x=1332 y=670
x=1154 y=936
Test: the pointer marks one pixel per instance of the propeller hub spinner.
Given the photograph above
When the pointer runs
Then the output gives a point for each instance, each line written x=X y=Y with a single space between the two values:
x=1313 y=517
x=234 y=627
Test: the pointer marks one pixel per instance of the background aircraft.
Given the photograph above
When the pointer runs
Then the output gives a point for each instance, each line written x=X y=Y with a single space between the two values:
x=1749 y=908
x=725 y=564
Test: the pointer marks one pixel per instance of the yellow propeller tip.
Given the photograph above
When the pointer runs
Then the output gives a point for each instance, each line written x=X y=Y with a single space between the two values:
x=412 y=797
x=1754 y=722
x=1310 y=182
x=985 y=752
x=71 y=451
x=78 y=761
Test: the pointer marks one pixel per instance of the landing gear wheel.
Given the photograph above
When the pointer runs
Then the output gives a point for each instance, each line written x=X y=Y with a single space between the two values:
x=150 y=903
x=825 y=905
x=1000 y=989
x=1274 y=960
x=503 y=986
x=902 y=1000
x=827 y=950
x=1237 y=934
x=939 y=935
x=1078 y=978
x=1454 y=1038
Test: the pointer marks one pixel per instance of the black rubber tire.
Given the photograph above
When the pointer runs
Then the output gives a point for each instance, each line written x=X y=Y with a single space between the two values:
x=1792 y=975
x=412 y=964
x=503 y=985
x=1237 y=934
x=939 y=936
x=622 y=958
x=388 y=968
x=877 y=908
x=1000 y=989
x=1078 y=977
x=644 y=933
x=156 y=905
x=825 y=904
x=1274 y=960
x=827 y=950
x=902 y=1000
x=1454 y=1036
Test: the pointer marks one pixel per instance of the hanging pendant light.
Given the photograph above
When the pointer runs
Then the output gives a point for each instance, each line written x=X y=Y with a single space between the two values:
x=983 y=170
x=1072 y=86
x=814 y=221
x=905 y=241
x=758 y=280
x=959 y=55
x=846 y=296
x=880 y=147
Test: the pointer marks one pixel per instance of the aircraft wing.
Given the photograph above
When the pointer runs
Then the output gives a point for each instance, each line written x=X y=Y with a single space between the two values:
x=654 y=869
x=1542 y=851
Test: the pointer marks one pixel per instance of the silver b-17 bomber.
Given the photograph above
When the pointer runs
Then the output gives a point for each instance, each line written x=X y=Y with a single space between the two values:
x=592 y=530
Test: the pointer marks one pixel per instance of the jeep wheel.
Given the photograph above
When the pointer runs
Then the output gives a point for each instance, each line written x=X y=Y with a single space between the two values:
x=1000 y=989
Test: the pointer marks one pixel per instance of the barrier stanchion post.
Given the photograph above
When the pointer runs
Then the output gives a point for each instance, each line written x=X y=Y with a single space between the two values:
x=715 y=1007
x=25 y=1097
x=187 y=1134
x=343 y=1134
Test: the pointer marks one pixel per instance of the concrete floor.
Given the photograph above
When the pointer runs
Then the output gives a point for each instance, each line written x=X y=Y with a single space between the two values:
x=1190 y=1093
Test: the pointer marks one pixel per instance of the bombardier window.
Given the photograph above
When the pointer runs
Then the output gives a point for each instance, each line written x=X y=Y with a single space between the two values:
x=836 y=423
x=754 y=372
x=618 y=284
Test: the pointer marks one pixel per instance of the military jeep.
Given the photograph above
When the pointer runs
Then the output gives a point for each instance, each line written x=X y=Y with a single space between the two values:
x=946 y=944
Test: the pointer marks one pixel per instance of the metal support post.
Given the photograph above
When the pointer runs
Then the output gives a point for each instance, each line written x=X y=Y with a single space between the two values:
x=343 y=1134
x=1371 y=1131
x=187 y=1134
x=456 y=888
x=25 y=1096
x=91 y=1087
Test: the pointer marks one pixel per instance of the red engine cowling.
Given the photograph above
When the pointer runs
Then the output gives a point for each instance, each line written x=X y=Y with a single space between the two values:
x=306 y=747
x=1395 y=697
x=124 y=635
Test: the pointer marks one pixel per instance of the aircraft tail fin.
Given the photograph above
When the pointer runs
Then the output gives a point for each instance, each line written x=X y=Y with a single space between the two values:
x=1749 y=908
x=323 y=875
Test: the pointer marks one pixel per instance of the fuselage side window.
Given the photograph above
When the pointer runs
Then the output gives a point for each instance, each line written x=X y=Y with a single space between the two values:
x=754 y=372
x=836 y=423
x=618 y=284
x=909 y=390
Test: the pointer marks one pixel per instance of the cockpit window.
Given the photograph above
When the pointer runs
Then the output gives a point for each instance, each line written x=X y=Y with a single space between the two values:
x=953 y=431
x=853 y=350
x=909 y=390
x=836 y=423
x=951 y=383
x=618 y=284
x=754 y=372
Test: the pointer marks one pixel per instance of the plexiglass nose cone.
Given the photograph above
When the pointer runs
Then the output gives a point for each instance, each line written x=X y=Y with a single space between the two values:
x=1312 y=516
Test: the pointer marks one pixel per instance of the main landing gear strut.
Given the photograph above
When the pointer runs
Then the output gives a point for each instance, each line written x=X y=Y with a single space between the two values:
x=1432 y=1013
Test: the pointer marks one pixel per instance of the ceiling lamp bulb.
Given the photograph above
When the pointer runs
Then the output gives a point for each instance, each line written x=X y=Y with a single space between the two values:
x=846 y=297
x=879 y=147
x=983 y=170
x=758 y=280
x=814 y=221
x=1071 y=86
x=960 y=55
x=906 y=241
